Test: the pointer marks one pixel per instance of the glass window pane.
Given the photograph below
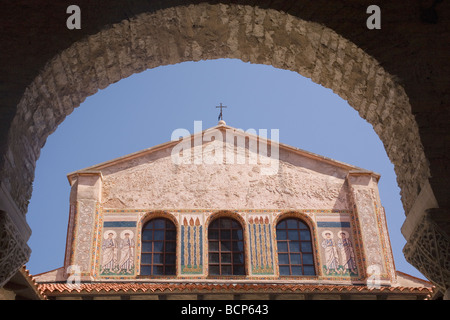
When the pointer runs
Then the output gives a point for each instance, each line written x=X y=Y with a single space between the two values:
x=159 y=223
x=301 y=225
x=226 y=270
x=238 y=258
x=146 y=246
x=170 y=259
x=158 y=246
x=294 y=246
x=214 y=224
x=308 y=259
x=296 y=270
x=214 y=270
x=214 y=246
x=158 y=270
x=225 y=234
x=282 y=246
x=283 y=258
x=294 y=254
x=292 y=223
x=282 y=225
x=225 y=245
x=170 y=246
x=170 y=225
x=160 y=252
x=235 y=224
x=239 y=270
x=238 y=246
x=225 y=258
x=146 y=270
x=170 y=270
x=158 y=234
x=225 y=223
x=213 y=234
x=213 y=258
x=146 y=258
x=158 y=258
x=306 y=247
x=147 y=235
x=236 y=234
x=149 y=225
x=295 y=258
x=171 y=235
x=293 y=235
x=284 y=271
x=281 y=235
x=304 y=234
x=229 y=246
x=308 y=270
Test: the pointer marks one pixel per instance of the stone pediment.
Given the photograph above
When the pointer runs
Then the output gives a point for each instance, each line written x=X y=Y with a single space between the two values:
x=223 y=167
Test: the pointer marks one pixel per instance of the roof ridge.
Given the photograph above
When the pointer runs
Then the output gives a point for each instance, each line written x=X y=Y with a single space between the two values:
x=95 y=168
x=137 y=286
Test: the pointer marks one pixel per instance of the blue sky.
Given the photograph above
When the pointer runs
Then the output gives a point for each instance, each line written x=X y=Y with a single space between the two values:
x=143 y=110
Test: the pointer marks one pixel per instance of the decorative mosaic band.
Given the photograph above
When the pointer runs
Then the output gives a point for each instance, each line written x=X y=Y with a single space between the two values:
x=337 y=243
x=191 y=247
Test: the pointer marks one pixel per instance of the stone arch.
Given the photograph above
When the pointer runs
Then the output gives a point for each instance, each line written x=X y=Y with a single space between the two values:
x=298 y=215
x=157 y=214
x=210 y=31
x=203 y=32
x=227 y=214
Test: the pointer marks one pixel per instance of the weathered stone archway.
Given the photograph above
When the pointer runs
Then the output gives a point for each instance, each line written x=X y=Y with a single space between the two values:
x=210 y=31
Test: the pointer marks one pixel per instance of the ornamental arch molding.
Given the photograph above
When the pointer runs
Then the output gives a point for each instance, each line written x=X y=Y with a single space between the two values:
x=202 y=32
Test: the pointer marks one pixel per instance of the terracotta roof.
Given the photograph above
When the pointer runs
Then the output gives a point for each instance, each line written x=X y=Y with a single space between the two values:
x=23 y=275
x=61 y=288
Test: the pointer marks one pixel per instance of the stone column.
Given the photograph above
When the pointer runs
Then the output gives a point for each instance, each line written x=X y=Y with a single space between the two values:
x=85 y=199
x=427 y=231
x=377 y=252
x=14 y=234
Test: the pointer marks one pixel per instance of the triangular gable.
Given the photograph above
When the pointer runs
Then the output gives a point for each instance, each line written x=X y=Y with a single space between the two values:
x=226 y=131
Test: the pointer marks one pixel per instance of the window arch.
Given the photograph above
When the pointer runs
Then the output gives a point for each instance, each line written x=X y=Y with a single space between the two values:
x=295 y=252
x=158 y=255
x=226 y=247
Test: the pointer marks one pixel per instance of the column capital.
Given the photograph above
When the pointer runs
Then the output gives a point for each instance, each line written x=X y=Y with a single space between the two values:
x=428 y=247
x=14 y=251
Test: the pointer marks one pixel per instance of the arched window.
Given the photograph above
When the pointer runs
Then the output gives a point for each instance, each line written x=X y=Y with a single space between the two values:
x=226 y=247
x=158 y=248
x=295 y=253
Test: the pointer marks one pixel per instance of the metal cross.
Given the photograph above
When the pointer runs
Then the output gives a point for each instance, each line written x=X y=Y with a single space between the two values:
x=220 y=115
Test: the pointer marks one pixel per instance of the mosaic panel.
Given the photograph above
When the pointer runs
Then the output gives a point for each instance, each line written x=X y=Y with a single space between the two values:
x=261 y=250
x=337 y=247
x=191 y=246
x=118 y=249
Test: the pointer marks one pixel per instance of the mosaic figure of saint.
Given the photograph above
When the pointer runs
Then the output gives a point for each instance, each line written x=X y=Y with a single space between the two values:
x=345 y=246
x=331 y=254
x=109 y=252
x=126 y=246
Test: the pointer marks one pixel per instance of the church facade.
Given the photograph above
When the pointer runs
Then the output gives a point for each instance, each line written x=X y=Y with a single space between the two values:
x=227 y=214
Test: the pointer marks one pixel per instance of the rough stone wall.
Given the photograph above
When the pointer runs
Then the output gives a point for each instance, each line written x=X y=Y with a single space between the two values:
x=204 y=31
x=154 y=181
